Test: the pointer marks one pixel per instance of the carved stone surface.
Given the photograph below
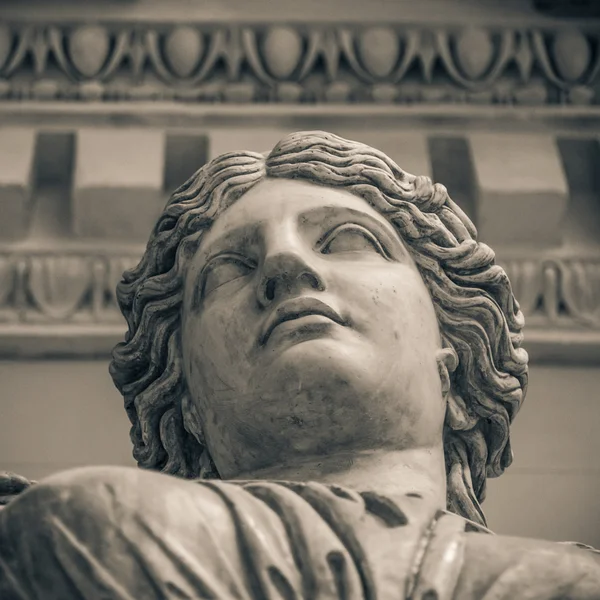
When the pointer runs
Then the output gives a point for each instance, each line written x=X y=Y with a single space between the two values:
x=74 y=287
x=298 y=63
x=323 y=329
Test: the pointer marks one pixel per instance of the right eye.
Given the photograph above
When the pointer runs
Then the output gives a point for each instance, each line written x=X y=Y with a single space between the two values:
x=223 y=270
x=352 y=238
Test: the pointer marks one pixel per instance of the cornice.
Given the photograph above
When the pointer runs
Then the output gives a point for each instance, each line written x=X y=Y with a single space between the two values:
x=438 y=117
x=529 y=63
x=503 y=12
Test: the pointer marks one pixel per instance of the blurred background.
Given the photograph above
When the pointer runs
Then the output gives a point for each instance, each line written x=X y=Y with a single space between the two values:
x=107 y=106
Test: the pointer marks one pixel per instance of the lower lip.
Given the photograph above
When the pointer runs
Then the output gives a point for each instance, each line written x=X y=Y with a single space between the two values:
x=304 y=327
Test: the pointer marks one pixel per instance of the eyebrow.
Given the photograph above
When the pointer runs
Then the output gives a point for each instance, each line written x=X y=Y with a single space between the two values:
x=383 y=227
x=359 y=215
x=313 y=215
x=223 y=242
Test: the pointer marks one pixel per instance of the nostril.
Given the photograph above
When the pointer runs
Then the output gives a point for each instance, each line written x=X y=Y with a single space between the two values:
x=313 y=281
x=286 y=280
x=270 y=290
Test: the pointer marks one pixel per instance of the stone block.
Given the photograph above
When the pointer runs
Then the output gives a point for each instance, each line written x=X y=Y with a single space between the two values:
x=185 y=153
x=452 y=165
x=581 y=227
x=17 y=149
x=522 y=190
x=118 y=183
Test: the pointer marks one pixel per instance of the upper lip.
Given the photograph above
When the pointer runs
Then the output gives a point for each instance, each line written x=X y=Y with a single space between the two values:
x=296 y=308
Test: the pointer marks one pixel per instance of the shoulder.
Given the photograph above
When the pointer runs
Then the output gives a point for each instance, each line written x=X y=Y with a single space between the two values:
x=465 y=560
x=502 y=566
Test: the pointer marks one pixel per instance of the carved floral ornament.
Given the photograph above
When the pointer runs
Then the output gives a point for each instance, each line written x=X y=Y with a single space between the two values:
x=60 y=287
x=66 y=287
x=303 y=63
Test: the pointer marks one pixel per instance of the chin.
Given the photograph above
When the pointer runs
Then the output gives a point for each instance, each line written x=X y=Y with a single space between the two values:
x=317 y=348
x=319 y=340
x=323 y=362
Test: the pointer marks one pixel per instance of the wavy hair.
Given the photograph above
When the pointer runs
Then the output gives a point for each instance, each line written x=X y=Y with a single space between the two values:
x=480 y=320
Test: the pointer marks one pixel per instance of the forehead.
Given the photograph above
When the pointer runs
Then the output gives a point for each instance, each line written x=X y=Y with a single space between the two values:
x=276 y=200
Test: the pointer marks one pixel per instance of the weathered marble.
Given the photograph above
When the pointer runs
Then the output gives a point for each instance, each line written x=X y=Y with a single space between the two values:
x=322 y=330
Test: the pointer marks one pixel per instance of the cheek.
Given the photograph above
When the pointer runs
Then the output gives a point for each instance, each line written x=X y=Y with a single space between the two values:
x=215 y=340
x=394 y=302
x=413 y=311
x=228 y=329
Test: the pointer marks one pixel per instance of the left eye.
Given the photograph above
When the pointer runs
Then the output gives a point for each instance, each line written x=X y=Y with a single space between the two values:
x=351 y=239
x=222 y=271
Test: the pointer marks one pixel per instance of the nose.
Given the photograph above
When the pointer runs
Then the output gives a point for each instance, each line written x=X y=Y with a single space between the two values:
x=287 y=270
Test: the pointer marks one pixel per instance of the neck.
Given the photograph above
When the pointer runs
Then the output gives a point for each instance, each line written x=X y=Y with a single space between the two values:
x=419 y=471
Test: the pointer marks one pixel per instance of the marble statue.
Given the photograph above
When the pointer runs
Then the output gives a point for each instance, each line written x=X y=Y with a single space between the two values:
x=321 y=367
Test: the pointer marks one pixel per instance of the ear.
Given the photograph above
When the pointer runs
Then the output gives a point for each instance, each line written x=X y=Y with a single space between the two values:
x=447 y=361
x=208 y=470
x=457 y=414
x=193 y=424
x=191 y=418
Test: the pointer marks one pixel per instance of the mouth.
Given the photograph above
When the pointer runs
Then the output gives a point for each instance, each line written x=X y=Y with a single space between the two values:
x=296 y=309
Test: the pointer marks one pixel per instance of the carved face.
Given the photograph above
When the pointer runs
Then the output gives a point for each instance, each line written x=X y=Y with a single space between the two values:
x=307 y=329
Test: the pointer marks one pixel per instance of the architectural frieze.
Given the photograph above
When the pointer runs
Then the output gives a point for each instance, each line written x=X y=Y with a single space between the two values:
x=71 y=294
x=299 y=63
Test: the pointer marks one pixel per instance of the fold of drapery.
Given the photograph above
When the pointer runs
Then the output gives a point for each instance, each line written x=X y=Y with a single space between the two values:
x=127 y=534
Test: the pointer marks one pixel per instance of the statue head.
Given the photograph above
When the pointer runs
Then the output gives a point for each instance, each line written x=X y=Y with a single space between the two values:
x=318 y=299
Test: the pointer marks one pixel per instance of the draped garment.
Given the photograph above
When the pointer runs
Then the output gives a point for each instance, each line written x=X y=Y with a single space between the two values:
x=104 y=533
